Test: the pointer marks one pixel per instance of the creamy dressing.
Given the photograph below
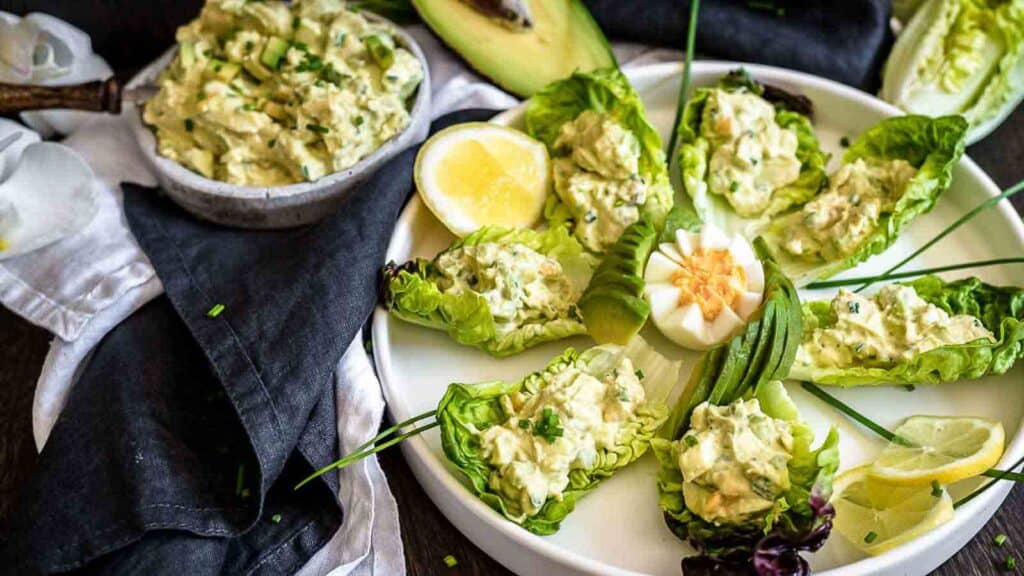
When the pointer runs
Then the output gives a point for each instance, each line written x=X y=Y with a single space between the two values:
x=734 y=461
x=338 y=91
x=891 y=326
x=598 y=178
x=521 y=285
x=579 y=416
x=751 y=155
x=834 y=224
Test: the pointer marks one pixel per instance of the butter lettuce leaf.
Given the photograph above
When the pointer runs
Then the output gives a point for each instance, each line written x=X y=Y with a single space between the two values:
x=411 y=292
x=607 y=91
x=467 y=409
x=960 y=57
x=799 y=521
x=1000 y=309
x=792 y=112
x=932 y=146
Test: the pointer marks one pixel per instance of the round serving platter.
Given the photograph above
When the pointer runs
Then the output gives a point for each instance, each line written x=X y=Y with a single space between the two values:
x=618 y=529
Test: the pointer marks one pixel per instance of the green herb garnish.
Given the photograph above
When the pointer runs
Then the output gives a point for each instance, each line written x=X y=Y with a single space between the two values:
x=1000 y=539
x=936 y=489
x=189 y=124
x=215 y=311
x=276 y=518
x=870 y=537
x=318 y=128
x=450 y=561
x=844 y=142
x=639 y=374
x=1010 y=563
x=547 y=427
x=524 y=423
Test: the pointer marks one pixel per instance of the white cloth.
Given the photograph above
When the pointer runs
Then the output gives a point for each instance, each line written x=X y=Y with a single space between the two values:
x=83 y=286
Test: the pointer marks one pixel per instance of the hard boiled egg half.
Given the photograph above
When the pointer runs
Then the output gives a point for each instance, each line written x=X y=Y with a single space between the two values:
x=703 y=287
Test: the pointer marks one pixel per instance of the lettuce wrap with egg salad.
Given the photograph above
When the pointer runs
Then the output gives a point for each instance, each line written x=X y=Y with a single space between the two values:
x=532 y=448
x=891 y=174
x=922 y=332
x=748 y=152
x=500 y=290
x=608 y=165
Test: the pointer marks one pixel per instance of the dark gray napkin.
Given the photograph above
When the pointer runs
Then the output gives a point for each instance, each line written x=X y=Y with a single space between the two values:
x=181 y=442
x=845 y=40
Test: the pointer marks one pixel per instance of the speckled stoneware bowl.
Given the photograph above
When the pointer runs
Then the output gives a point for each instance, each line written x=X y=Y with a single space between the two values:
x=275 y=206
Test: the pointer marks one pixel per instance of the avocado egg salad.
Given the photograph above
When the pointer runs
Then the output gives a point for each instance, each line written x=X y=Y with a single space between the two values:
x=891 y=174
x=532 y=448
x=608 y=166
x=925 y=331
x=743 y=484
x=501 y=290
x=747 y=153
x=272 y=93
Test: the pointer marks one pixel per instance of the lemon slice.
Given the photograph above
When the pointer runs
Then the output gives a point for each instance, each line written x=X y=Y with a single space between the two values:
x=877 y=517
x=480 y=174
x=943 y=449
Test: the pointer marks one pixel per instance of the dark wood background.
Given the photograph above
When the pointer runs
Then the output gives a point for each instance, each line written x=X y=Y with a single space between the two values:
x=131 y=32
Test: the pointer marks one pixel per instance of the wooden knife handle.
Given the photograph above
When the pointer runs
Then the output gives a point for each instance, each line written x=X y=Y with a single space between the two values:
x=98 y=96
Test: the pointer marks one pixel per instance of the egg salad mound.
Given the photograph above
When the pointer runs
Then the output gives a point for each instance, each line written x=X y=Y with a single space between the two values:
x=273 y=93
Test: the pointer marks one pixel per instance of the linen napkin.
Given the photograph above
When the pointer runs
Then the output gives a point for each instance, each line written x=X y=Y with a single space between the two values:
x=181 y=442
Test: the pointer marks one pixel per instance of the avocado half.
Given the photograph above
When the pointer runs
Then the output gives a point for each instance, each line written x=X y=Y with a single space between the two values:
x=557 y=38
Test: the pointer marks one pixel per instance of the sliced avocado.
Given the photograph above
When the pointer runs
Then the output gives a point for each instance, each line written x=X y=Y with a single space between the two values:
x=612 y=316
x=613 y=306
x=556 y=39
x=187 y=52
x=225 y=71
x=382 y=49
x=273 y=52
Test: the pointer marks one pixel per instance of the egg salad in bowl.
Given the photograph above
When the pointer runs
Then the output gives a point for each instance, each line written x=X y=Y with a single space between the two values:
x=270 y=93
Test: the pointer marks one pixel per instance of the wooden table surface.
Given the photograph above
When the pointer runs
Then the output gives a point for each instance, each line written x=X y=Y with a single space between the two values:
x=427 y=535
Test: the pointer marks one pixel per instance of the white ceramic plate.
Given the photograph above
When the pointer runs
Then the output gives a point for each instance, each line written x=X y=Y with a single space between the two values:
x=618 y=529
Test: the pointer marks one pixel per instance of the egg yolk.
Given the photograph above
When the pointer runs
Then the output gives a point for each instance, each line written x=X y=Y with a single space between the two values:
x=712 y=279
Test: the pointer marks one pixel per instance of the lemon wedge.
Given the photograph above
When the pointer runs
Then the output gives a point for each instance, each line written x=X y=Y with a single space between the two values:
x=941 y=449
x=479 y=174
x=877 y=517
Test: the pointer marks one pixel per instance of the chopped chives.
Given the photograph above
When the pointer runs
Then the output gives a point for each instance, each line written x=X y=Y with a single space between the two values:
x=1010 y=563
x=276 y=518
x=524 y=423
x=305 y=172
x=870 y=537
x=240 y=480
x=936 y=489
x=1000 y=539
x=189 y=124
x=318 y=128
x=215 y=311
x=450 y=561
x=639 y=374
x=844 y=142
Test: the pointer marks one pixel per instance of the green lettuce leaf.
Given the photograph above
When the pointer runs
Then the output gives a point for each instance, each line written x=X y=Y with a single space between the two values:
x=606 y=91
x=694 y=152
x=411 y=292
x=932 y=145
x=1000 y=309
x=467 y=409
x=960 y=57
x=796 y=514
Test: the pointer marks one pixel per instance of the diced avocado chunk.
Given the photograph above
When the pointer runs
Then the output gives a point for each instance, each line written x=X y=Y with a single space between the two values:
x=225 y=71
x=273 y=52
x=187 y=53
x=563 y=38
x=382 y=49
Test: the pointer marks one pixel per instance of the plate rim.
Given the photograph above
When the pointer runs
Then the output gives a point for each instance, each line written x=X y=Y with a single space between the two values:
x=968 y=520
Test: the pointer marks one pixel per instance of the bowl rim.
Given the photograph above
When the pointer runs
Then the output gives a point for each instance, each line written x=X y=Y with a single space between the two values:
x=289 y=195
